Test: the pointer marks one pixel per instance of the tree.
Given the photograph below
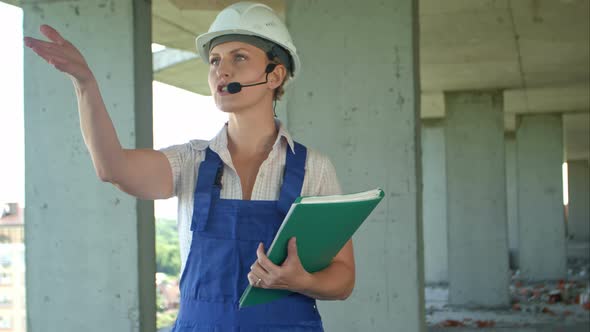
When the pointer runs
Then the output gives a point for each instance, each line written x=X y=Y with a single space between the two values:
x=167 y=247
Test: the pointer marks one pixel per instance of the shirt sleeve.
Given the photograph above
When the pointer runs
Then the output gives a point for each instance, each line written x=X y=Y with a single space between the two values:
x=176 y=154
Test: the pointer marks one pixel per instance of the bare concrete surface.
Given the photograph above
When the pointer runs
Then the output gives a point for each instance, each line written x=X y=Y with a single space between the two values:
x=572 y=328
x=562 y=305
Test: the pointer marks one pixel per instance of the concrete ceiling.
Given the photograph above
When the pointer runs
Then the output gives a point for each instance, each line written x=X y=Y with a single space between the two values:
x=537 y=51
x=487 y=44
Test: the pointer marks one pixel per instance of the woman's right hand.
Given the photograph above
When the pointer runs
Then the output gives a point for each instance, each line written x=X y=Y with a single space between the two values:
x=61 y=54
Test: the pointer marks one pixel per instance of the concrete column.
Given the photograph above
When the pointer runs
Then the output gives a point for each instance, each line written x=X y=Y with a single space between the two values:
x=89 y=247
x=434 y=198
x=579 y=196
x=357 y=100
x=541 y=226
x=476 y=196
x=511 y=203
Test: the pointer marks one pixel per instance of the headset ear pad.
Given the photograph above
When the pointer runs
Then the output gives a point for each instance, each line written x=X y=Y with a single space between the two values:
x=270 y=67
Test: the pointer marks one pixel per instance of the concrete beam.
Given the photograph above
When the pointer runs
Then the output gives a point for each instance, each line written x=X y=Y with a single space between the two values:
x=389 y=291
x=579 y=195
x=547 y=100
x=90 y=255
x=576 y=128
x=541 y=225
x=189 y=75
x=476 y=200
x=171 y=57
x=277 y=5
x=509 y=122
x=432 y=105
x=12 y=2
x=434 y=202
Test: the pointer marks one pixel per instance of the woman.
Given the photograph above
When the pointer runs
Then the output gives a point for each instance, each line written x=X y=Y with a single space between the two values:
x=234 y=190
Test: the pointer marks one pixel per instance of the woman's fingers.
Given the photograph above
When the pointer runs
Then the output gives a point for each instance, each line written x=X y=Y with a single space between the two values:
x=33 y=42
x=259 y=271
x=60 y=53
x=264 y=261
x=53 y=48
x=255 y=280
x=52 y=34
x=49 y=55
x=41 y=50
x=46 y=50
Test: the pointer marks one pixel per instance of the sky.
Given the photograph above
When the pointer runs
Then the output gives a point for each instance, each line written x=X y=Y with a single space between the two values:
x=200 y=117
x=11 y=112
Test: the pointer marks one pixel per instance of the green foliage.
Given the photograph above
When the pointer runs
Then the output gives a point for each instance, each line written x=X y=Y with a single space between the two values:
x=167 y=247
x=160 y=302
x=166 y=319
x=168 y=262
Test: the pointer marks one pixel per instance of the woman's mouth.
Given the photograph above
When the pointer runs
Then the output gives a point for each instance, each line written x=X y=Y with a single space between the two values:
x=222 y=89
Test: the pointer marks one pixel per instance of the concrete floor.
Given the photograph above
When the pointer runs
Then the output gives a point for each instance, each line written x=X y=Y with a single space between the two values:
x=569 y=328
x=535 y=311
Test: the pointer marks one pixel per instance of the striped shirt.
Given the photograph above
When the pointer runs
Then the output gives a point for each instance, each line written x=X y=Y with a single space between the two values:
x=320 y=176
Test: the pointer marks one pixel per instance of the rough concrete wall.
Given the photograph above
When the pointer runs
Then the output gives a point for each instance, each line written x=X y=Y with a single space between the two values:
x=579 y=198
x=541 y=226
x=90 y=248
x=511 y=198
x=476 y=196
x=434 y=199
x=357 y=101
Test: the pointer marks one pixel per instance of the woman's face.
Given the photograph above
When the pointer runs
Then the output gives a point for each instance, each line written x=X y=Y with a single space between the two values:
x=242 y=63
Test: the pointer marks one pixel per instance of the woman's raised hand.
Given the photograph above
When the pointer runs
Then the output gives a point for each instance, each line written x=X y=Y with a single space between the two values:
x=61 y=54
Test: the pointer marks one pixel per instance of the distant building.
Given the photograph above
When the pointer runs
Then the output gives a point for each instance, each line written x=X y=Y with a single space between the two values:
x=169 y=291
x=12 y=269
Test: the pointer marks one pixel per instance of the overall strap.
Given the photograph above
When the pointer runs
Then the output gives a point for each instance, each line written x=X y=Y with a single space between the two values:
x=293 y=177
x=208 y=187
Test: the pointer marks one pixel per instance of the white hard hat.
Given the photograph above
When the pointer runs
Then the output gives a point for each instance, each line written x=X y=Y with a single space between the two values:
x=252 y=19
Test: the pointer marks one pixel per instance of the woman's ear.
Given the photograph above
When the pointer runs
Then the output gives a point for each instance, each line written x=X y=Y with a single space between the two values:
x=277 y=76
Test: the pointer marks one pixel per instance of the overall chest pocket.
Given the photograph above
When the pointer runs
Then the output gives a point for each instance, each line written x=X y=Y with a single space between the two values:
x=257 y=223
x=225 y=249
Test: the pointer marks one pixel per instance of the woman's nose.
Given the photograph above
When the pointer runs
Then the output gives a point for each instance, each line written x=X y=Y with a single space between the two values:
x=223 y=69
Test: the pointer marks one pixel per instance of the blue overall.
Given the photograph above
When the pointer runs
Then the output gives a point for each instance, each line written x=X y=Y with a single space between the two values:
x=226 y=233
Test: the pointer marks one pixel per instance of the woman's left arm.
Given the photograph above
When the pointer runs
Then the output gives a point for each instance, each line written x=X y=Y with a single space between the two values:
x=335 y=282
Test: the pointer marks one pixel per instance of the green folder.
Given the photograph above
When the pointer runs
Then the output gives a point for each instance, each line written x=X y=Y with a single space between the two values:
x=322 y=226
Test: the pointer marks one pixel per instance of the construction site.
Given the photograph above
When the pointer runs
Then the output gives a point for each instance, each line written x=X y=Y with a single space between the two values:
x=473 y=116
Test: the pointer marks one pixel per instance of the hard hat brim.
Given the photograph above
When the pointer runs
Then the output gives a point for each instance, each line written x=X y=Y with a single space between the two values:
x=203 y=40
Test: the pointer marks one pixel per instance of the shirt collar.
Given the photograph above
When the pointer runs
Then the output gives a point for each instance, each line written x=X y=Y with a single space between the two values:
x=283 y=132
x=219 y=143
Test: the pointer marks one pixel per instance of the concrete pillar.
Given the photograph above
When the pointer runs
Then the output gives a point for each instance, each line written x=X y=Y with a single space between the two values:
x=434 y=199
x=476 y=196
x=89 y=247
x=511 y=200
x=579 y=196
x=541 y=226
x=364 y=115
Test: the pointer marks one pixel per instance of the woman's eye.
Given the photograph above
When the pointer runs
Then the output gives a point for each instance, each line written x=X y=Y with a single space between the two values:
x=240 y=57
x=214 y=61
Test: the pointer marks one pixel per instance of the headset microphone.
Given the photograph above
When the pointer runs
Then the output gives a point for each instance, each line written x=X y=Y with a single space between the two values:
x=235 y=87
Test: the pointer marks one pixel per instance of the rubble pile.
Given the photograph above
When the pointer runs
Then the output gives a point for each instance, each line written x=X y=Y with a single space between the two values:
x=563 y=298
x=533 y=304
